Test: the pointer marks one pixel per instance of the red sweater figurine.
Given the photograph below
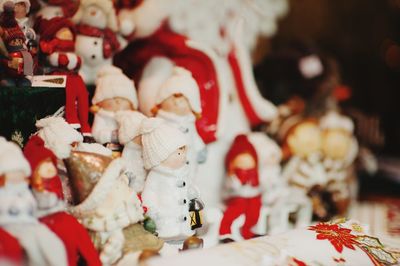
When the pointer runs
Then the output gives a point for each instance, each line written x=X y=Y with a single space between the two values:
x=57 y=43
x=47 y=189
x=243 y=188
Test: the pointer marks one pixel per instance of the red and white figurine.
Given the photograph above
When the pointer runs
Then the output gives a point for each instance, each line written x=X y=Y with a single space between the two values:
x=48 y=192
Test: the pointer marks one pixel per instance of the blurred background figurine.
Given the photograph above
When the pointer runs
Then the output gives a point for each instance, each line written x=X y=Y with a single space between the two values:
x=17 y=61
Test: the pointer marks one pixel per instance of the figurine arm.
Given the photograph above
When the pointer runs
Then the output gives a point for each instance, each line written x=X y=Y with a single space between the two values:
x=200 y=148
x=150 y=198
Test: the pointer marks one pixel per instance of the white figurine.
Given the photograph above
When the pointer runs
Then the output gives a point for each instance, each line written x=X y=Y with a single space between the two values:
x=178 y=103
x=18 y=207
x=97 y=40
x=129 y=123
x=168 y=191
x=114 y=92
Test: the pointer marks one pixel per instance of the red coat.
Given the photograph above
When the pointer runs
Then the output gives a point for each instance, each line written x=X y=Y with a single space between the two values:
x=75 y=238
x=10 y=248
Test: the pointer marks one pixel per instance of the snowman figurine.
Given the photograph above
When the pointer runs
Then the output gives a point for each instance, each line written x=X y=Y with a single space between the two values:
x=97 y=40
x=168 y=193
x=178 y=103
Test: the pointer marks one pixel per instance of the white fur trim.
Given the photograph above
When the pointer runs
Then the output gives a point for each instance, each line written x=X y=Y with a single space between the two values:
x=111 y=83
x=183 y=82
x=101 y=190
x=94 y=148
x=264 y=109
x=155 y=73
x=53 y=59
x=72 y=61
x=310 y=66
x=12 y=158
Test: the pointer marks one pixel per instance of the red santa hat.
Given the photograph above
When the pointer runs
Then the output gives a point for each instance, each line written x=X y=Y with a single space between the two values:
x=35 y=152
x=182 y=82
x=47 y=28
x=112 y=83
x=240 y=145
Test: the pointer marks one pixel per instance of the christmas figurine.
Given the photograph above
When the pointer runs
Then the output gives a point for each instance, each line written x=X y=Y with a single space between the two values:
x=168 y=191
x=178 y=103
x=339 y=148
x=21 y=9
x=114 y=92
x=57 y=8
x=129 y=135
x=108 y=208
x=18 y=207
x=47 y=190
x=17 y=61
x=97 y=39
x=243 y=188
x=57 y=43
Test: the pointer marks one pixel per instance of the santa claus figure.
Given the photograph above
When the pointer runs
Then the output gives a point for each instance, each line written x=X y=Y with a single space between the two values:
x=97 y=39
x=47 y=190
x=243 y=189
x=217 y=53
x=178 y=104
x=168 y=191
x=57 y=8
x=57 y=43
x=108 y=208
x=129 y=135
x=114 y=92
x=18 y=207
x=18 y=63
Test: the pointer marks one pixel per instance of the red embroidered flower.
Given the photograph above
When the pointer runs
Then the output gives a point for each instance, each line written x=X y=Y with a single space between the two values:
x=338 y=236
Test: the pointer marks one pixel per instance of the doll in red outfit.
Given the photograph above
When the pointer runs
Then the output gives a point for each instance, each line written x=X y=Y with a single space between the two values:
x=57 y=43
x=47 y=189
x=244 y=193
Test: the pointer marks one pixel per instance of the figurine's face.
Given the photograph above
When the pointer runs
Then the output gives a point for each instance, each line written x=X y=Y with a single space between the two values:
x=46 y=169
x=65 y=34
x=176 y=160
x=20 y=10
x=94 y=16
x=244 y=161
x=305 y=140
x=177 y=104
x=116 y=104
x=15 y=177
x=336 y=143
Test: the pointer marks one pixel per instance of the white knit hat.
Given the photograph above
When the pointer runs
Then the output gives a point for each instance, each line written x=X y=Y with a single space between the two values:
x=12 y=158
x=129 y=123
x=159 y=141
x=183 y=82
x=334 y=120
x=58 y=135
x=111 y=83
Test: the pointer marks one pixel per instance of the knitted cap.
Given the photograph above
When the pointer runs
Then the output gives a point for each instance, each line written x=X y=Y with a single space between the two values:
x=58 y=135
x=240 y=145
x=129 y=125
x=159 y=141
x=111 y=83
x=12 y=158
x=182 y=82
x=48 y=28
